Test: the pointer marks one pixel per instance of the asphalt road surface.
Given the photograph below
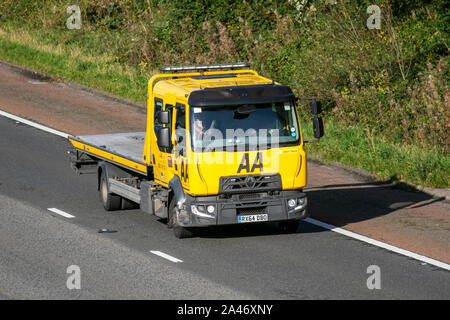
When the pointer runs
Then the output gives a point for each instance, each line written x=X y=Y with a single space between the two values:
x=239 y=262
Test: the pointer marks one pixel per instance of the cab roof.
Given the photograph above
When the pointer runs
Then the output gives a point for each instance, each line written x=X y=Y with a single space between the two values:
x=185 y=85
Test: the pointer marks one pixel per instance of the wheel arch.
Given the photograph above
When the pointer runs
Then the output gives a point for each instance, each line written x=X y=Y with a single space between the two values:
x=177 y=191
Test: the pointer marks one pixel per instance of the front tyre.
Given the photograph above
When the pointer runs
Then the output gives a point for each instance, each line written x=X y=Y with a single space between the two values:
x=289 y=226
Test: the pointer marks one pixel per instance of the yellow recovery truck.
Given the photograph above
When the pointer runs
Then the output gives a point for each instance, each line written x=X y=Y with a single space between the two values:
x=223 y=145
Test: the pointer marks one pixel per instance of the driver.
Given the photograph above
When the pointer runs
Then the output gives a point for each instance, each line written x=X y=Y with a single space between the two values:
x=199 y=128
x=198 y=123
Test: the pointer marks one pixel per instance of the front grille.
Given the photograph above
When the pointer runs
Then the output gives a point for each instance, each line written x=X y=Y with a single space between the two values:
x=249 y=196
x=250 y=211
x=250 y=183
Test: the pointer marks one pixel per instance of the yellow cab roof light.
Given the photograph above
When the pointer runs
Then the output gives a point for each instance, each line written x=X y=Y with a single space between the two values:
x=209 y=67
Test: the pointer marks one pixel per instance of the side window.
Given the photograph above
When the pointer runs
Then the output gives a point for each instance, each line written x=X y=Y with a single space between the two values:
x=169 y=107
x=158 y=107
x=180 y=121
x=180 y=125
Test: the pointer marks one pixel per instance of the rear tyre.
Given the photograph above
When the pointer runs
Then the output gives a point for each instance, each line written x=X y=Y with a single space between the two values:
x=111 y=202
x=290 y=226
x=178 y=231
x=128 y=205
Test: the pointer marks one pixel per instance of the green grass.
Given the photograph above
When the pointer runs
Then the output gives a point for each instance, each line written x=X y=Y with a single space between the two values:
x=112 y=77
x=350 y=145
x=358 y=148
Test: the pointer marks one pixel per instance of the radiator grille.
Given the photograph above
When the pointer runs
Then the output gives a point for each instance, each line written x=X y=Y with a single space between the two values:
x=250 y=211
x=251 y=183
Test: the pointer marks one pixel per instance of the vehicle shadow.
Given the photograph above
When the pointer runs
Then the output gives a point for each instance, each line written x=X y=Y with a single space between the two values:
x=349 y=203
x=338 y=204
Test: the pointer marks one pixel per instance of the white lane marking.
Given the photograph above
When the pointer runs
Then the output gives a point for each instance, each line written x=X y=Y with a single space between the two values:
x=380 y=244
x=166 y=256
x=34 y=124
x=61 y=213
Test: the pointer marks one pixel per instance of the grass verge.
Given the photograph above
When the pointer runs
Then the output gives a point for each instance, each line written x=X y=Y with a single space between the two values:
x=352 y=146
x=359 y=148
x=73 y=64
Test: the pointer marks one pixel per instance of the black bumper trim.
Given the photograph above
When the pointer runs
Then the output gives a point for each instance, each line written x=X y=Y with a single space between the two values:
x=228 y=209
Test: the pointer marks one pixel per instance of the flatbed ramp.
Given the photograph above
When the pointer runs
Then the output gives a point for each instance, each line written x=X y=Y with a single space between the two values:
x=125 y=149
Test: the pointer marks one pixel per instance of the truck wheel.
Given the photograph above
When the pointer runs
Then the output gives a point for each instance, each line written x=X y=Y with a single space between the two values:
x=179 y=232
x=128 y=205
x=289 y=226
x=110 y=201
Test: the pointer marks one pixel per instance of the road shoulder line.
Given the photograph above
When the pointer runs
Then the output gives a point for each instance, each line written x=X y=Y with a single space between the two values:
x=33 y=124
x=379 y=244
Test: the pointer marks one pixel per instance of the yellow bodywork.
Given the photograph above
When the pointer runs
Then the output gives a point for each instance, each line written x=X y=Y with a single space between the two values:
x=200 y=172
x=205 y=169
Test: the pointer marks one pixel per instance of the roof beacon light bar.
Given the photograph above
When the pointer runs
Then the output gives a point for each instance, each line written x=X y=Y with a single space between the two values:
x=200 y=68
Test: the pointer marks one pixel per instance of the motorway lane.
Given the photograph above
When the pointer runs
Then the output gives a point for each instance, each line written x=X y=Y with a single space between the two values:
x=234 y=262
x=410 y=220
x=36 y=250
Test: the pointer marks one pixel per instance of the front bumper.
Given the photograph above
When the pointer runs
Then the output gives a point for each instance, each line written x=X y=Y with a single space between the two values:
x=228 y=208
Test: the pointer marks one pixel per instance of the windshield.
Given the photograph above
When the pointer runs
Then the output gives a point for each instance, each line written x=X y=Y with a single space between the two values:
x=244 y=126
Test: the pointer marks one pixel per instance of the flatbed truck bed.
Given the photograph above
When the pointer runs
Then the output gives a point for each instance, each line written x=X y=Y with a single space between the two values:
x=122 y=149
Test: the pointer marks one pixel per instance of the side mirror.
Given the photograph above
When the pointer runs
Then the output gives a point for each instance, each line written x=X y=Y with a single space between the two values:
x=163 y=117
x=163 y=137
x=315 y=107
x=318 y=127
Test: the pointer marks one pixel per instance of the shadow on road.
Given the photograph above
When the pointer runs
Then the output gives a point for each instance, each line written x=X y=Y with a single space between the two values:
x=350 y=203
x=338 y=204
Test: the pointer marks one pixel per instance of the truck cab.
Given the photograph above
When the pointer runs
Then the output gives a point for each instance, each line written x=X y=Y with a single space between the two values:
x=223 y=145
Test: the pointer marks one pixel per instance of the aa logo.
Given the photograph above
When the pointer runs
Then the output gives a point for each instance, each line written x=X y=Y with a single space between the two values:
x=245 y=163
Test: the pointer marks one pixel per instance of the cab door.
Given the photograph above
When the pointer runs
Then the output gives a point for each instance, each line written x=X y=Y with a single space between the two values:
x=179 y=153
x=162 y=155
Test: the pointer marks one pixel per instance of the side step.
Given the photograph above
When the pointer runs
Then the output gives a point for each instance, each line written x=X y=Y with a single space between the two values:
x=124 y=190
x=150 y=201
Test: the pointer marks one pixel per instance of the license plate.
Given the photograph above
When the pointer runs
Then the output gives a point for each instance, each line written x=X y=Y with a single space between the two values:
x=253 y=218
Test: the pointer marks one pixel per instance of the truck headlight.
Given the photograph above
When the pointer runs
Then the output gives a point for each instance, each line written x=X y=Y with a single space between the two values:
x=200 y=210
x=297 y=204
x=194 y=209
x=292 y=203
